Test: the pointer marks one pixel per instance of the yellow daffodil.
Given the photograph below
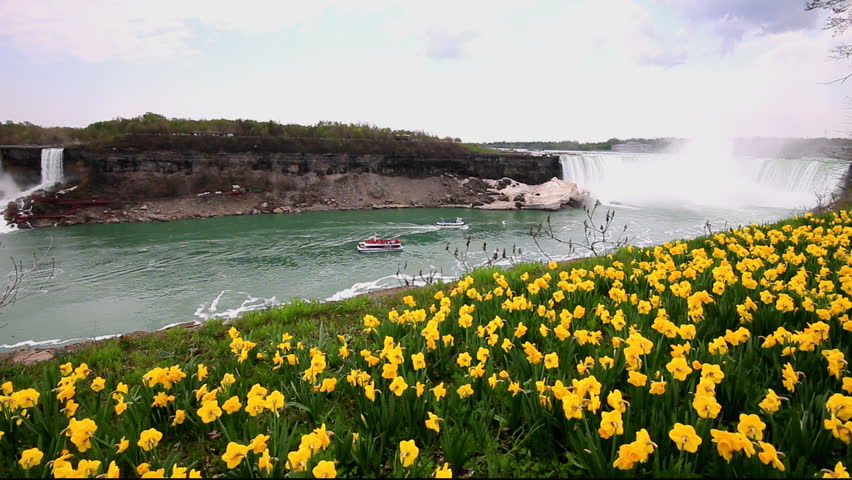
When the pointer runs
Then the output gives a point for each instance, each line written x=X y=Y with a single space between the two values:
x=439 y=391
x=234 y=454
x=770 y=403
x=232 y=405
x=162 y=399
x=179 y=418
x=88 y=468
x=113 y=471
x=209 y=411
x=122 y=445
x=149 y=439
x=838 y=472
x=298 y=460
x=98 y=384
x=30 y=458
x=444 y=471
x=81 y=432
x=769 y=455
x=751 y=426
x=706 y=406
x=27 y=398
x=679 y=368
x=685 y=437
x=637 y=379
x=418 y=361
x=324 y=469
x=265 y=461
x=611 y=424
x=398 y=386
x=258 y=444
x=159 y=473
x=432 y=423
x=120 y=407
x=408 y=452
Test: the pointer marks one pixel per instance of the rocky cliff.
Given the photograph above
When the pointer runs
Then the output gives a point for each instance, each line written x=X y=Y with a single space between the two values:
x=152 y=174
x=129 y=184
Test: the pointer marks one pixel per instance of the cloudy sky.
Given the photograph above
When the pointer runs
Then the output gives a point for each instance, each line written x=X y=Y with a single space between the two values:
x=480 y=70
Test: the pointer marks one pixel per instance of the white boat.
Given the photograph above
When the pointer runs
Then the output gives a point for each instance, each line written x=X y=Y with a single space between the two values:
x=376 y=244
x=444 y=223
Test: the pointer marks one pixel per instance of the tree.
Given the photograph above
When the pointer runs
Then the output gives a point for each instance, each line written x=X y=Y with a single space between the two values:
x=838 y=20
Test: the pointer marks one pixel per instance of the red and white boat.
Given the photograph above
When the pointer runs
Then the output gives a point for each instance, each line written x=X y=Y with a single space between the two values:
x=376 y=244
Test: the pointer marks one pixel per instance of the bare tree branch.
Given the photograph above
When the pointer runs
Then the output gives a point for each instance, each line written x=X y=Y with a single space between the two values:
x=466 y=262
x=19 y=277
x=597 y=238
x=420 y=278
x=839 y=21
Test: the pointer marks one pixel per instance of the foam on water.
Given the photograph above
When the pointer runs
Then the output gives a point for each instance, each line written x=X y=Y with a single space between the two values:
x=384 y=283
x=248 y=303
x=57 y=341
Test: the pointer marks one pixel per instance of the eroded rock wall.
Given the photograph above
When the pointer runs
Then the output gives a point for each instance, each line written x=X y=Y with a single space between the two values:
x=124 y=174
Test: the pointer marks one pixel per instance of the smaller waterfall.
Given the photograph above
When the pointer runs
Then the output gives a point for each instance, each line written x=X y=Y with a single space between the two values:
x=51 y=174
x=51 y=166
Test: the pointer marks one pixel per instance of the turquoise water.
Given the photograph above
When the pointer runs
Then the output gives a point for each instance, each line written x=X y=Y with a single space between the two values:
x=119 y=278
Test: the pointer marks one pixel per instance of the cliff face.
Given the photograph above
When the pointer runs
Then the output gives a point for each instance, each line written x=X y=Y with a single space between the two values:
x=150 y=174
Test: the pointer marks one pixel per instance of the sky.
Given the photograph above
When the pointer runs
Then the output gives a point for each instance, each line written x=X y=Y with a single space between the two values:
x=492 y=70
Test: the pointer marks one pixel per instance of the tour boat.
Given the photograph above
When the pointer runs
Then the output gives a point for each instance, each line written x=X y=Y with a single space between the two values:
x=376 y=244
x=457 y=223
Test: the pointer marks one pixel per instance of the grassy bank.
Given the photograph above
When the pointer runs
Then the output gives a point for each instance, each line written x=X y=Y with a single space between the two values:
x=720 y=356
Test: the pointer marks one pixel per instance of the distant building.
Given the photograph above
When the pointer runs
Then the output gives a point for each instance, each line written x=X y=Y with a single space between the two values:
x=632 y=147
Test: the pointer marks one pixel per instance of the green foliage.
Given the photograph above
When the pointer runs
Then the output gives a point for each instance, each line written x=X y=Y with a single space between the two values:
x=494 y=430
x=480 y=149
x=155 y=124
x=656 y=143
x=26 y=133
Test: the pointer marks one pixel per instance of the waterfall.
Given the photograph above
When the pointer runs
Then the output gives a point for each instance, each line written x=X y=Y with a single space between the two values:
x=717 y=180
x=51 y=174
x=51 y=166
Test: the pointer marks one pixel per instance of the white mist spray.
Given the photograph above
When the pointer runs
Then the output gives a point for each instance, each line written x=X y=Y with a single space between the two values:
x=704 y=173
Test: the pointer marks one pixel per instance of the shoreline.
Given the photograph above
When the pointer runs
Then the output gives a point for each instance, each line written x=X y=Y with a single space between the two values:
x=504 y=194
x=340 y=192
x=31 y=354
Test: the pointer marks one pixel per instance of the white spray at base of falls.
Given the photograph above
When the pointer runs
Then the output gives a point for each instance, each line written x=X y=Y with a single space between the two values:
x=703 y=176
x=51 y=173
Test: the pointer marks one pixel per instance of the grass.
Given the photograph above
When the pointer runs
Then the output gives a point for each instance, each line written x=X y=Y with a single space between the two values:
x=494 y=432
x=480 y=149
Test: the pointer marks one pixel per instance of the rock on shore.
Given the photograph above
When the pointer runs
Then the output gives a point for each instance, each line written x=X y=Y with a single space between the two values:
x=554 y=194
x=345 y=191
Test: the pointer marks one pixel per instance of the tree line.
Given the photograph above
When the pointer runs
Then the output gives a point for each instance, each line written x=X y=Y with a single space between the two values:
x=655 y=144
x=104 y=132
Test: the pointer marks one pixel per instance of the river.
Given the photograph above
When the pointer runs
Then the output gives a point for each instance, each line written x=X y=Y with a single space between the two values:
x=112 y=279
